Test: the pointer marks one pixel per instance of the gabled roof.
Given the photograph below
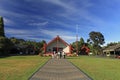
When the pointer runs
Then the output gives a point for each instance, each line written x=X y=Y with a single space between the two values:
x=58 y=39
x=112 y=48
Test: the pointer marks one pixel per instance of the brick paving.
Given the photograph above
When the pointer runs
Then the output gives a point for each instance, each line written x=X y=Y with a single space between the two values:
x=59 y=69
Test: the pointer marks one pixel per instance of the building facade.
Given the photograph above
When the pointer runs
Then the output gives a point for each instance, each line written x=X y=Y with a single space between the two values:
x=57 y=45
x=112 y=50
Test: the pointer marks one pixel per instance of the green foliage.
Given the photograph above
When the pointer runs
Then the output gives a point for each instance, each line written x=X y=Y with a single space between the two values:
x=112 y=43
x=5 y=46
x=96 y=39
x=80 y=44
x=37 y=45
x=14 y=40
x=2 y=34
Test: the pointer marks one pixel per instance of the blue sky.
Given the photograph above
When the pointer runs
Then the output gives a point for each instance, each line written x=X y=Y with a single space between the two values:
x=45 y=19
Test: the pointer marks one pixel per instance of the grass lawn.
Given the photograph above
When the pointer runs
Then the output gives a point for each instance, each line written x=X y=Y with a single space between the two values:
x=98 y=68
x=20 y=67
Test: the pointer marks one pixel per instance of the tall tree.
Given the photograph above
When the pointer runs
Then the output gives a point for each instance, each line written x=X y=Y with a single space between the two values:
x=2 y=27
x=81 y=41
x=96 y=39
x=80 y=44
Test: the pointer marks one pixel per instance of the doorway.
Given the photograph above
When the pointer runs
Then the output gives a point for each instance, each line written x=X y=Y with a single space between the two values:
x=59 y=49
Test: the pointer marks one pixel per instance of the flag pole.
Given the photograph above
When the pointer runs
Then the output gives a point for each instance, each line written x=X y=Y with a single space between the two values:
x=77 y=40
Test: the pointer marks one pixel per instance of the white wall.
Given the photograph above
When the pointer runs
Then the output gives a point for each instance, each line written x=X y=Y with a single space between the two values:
x=67 y=49
x=54 y=44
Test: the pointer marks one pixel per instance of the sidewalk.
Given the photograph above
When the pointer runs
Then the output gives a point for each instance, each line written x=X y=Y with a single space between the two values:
x=59 y=69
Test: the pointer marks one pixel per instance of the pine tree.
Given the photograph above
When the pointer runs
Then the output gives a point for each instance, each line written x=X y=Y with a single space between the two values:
x=2 y=34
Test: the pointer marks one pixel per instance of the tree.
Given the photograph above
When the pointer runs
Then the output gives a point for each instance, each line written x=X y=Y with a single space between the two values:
x=14 y=40
x=96 y=39
x=37 y=45
x=27 y=44
x=5 y=43
x=112 y=43
x=80 y=44
x=5 y=46
x=41 y=44
x=2 y=27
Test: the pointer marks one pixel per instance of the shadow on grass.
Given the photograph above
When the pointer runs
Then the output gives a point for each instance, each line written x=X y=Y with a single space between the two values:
x=4 y=56
x=73 y=57
x=10 y=55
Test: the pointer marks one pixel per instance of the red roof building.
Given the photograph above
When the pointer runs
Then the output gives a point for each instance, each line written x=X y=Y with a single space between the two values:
x=85 y=50
x=57 y=45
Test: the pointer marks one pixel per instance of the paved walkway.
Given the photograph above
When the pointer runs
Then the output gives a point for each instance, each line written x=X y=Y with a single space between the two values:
x=59 y=69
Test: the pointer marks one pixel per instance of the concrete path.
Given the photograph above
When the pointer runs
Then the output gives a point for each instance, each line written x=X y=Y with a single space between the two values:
x=59 y=69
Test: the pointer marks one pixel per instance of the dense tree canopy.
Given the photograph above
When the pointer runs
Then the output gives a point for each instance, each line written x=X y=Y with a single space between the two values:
x=5 y=46
x=80 y=44
x=27 y=42
x=96 y=39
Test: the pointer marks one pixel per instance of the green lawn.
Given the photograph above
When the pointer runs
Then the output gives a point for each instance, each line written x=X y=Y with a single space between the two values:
x=98 y=68
x=20 y=67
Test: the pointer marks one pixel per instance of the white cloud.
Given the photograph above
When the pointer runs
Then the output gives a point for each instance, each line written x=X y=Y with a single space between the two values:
x=64 y=34
x=8 y=22
x=74 y=13
x=69 y=38
x=70 y=12
x=60 y=3
x=29 y=35
x=23 y=34
x=13 y=31
x=8 y=13
x=63 y=24
x=38 y=24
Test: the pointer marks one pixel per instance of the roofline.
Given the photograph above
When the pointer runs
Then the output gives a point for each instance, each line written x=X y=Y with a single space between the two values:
x=58 y=38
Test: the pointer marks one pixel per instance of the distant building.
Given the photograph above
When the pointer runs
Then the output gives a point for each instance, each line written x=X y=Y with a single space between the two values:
x=112 y=50
x=57 y=45
x=85 y=50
